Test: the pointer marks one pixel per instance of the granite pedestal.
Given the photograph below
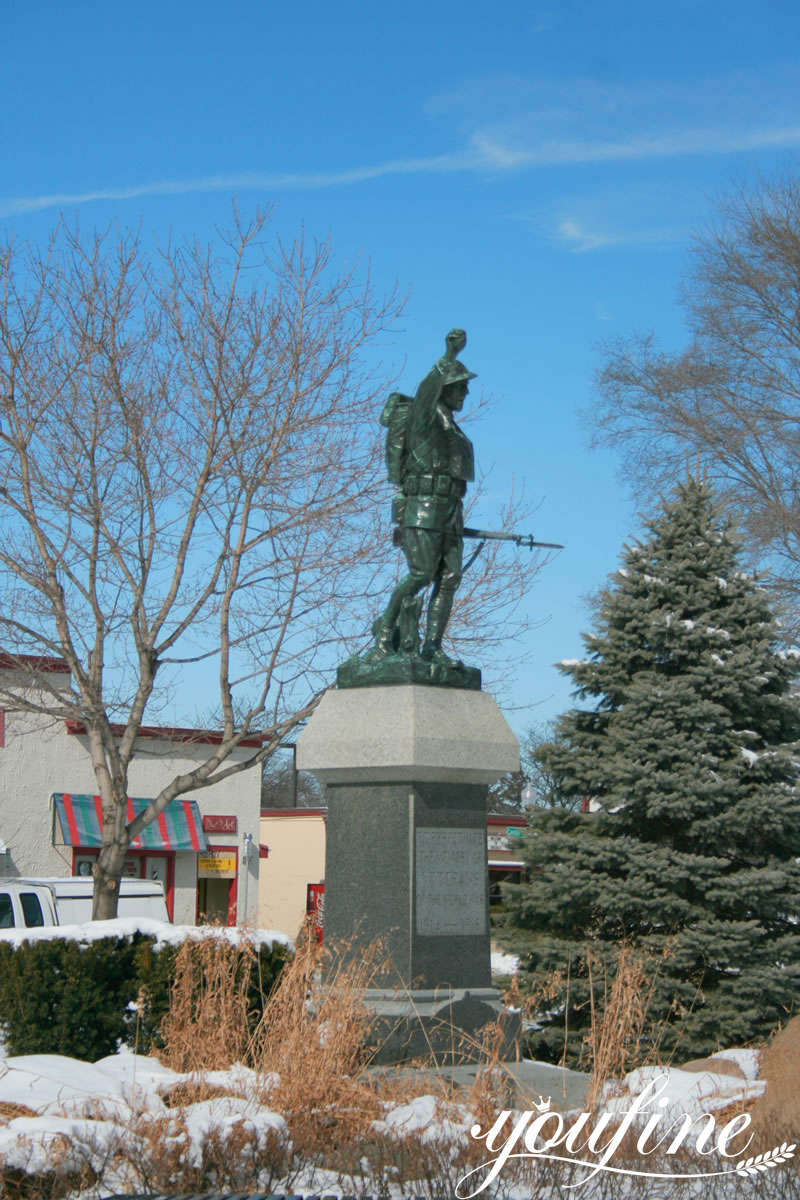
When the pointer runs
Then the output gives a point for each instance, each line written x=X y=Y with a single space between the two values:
x=407 y=769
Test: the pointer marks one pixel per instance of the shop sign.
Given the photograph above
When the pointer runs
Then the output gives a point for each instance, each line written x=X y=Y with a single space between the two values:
x=515 y=831
x=498 y=841
x=216 y=864
x=220 y=824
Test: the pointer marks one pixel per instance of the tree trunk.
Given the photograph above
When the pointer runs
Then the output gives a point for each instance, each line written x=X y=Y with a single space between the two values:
x=107 y=872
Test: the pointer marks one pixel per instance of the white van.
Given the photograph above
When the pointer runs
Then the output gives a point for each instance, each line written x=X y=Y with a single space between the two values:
x=26 y=903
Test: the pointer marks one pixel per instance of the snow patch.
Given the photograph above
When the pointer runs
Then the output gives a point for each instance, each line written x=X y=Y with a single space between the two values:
x=747 y=1060
x=39 y=1080
x=504 y=964
x=164 y=933
x=226 y=1115
x=689 y=1092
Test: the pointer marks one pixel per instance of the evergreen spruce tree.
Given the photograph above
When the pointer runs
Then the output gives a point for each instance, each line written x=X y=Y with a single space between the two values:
x=690 y=750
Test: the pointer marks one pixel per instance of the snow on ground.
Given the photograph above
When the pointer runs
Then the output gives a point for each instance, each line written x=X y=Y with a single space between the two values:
x=504 y=964
x=164 y=932
x=226 y=1116
x=423 y=1116
x=86 y=1112
x=688 y=1092
x=748 y=1061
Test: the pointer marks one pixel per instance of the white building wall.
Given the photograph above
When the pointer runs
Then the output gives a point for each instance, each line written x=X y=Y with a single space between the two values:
x=41 y=757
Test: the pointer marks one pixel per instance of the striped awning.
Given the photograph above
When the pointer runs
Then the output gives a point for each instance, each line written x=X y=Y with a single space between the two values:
x=179 y=827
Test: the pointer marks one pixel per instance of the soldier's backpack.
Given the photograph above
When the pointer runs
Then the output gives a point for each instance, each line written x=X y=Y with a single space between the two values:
x=396 y=412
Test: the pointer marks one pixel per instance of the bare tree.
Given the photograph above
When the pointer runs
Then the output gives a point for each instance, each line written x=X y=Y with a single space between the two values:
x=732 y=396
x=536 y=771
x=189 y=466
x=283 y=786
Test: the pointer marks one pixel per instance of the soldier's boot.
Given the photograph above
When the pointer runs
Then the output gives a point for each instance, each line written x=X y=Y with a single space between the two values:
x=438 y=616
x=384 y=633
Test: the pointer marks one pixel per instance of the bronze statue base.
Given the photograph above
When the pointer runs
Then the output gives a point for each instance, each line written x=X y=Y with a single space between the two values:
x=371 y=670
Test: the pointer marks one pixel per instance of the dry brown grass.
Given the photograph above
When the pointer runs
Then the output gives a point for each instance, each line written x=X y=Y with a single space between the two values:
x=233 y=1157
x=193 y=1091
x=621 y=1036
x=315 y=1039
x=19 y=1185
x=207 y=1024
x=8 y=1111
x=776 y=1116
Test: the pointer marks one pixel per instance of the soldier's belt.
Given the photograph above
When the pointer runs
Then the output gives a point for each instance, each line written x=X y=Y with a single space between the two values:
x=433 y=485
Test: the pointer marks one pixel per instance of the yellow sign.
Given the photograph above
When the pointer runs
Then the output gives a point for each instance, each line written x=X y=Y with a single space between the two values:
x=216 y=864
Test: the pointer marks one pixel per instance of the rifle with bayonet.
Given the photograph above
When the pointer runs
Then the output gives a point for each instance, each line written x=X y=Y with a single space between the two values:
x=526 y=540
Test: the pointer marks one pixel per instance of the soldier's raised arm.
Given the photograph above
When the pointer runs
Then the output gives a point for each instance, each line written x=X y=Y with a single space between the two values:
x=446 y=370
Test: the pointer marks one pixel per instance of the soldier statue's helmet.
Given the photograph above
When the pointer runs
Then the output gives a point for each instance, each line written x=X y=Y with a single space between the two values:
x=454 y=371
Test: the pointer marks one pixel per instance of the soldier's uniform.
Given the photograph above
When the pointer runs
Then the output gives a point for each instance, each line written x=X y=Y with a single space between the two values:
x=432 y=460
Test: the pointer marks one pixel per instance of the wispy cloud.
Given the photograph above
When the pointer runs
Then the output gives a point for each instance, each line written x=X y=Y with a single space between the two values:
x=501 y=155
x=244 y=181
x=508 y=123
x=580 y=239
x=487 y=154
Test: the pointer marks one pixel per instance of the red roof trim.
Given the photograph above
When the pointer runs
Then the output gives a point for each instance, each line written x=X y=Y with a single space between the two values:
x=33 y=662
x=495 y=819
x=174 y=733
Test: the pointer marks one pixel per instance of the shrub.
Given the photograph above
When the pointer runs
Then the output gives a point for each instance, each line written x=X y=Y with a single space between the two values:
x=67 y=996
x=59 y=995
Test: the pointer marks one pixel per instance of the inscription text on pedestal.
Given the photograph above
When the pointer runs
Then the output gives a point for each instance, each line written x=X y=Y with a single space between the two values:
x=450 y=881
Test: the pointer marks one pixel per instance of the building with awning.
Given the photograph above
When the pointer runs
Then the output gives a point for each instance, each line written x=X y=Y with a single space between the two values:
x=203 y=847
x=78 y=822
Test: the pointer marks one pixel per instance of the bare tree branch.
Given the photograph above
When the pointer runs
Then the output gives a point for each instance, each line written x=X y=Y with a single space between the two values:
x=190 y=467
x=731 y=399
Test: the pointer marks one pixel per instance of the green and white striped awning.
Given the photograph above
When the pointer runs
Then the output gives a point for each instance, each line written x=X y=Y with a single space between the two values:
x=179 y=827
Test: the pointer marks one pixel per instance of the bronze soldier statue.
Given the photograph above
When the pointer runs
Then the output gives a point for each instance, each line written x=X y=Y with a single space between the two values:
x=431 y=460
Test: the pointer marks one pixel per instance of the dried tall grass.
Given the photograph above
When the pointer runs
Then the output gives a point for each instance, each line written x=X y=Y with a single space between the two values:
x=310 y=1051
x=208 y=1023
x=315 y=1036
x=776 y=1116
x=621 y=1034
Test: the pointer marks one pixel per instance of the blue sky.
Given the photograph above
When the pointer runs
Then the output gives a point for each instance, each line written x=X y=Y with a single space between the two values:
x=531 y=173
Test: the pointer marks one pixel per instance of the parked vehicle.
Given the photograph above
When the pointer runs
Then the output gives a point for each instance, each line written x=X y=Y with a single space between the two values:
x=27 y=903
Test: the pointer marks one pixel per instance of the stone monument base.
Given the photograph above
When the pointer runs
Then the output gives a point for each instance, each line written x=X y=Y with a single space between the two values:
x=407 y=770
x=442 y=1026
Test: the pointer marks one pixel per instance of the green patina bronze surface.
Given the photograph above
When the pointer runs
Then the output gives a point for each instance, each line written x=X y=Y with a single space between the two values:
x=430 y=460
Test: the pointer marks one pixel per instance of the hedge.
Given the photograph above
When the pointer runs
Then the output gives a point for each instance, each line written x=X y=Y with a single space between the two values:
x=61 y=995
